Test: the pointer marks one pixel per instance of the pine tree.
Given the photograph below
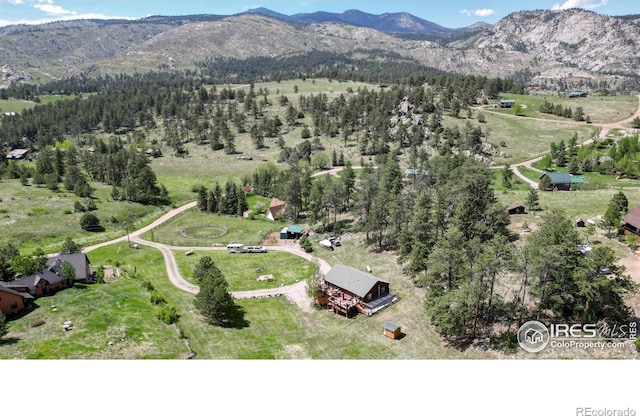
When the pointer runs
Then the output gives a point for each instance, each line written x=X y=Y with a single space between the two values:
x=202 y=199
x=213 y=300
x=533 y=200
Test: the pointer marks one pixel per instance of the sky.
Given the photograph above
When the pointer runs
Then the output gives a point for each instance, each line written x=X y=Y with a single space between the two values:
x=447 y=13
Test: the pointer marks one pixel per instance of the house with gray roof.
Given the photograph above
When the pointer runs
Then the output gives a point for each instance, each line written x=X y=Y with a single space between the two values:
x=560 y=181
x=350 y=290
x=79 y=261
x=39 y=284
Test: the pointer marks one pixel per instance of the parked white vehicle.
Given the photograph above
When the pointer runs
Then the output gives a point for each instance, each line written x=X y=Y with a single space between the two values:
x=235 y=248
x=326 y=244
x=256 y=249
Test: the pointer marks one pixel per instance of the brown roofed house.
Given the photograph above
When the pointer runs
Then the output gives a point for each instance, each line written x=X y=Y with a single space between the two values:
x=275 y=207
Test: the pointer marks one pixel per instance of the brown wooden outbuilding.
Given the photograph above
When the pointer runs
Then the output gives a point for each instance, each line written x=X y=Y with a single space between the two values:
x=516 y=209
x=391 y=330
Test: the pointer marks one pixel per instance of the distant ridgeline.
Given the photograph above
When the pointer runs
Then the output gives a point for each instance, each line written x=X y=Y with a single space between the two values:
x=380 y=67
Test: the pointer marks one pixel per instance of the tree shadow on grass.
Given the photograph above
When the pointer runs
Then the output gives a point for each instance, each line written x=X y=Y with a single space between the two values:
x=236 y=318
x=10 y=340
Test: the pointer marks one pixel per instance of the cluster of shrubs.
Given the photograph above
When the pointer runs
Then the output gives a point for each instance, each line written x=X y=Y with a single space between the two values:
x=166 y=312
x=306 y=245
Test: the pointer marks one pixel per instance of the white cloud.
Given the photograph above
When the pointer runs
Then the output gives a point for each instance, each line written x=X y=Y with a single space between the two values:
x=478 y=12
x=53 y=13
x=4 y=22
x=581 y=4
x=51 y=8
x=484 y=12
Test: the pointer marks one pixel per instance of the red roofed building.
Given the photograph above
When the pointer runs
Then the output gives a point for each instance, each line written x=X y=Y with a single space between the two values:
x=275 y=209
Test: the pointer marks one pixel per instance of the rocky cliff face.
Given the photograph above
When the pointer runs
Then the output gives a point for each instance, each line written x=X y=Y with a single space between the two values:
x=9 y=75
x=566 y=43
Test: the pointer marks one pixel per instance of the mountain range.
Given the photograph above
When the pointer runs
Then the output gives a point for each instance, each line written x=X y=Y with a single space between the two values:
x=387 y=22
x=541 y=46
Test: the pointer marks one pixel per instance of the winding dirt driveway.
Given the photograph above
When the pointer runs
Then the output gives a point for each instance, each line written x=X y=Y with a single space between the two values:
x=296 y=293
x=604 y=130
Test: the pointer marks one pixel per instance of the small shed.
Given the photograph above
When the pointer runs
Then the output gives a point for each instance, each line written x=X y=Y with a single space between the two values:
x=292 y=232
x=391 y=329
x=516 y=209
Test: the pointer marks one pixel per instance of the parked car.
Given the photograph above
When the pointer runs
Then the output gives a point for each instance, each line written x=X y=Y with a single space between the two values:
x=334 y=241
x=584 y=249
x=256 y=249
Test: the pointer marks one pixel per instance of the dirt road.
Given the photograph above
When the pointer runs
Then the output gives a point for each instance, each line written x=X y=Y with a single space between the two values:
x=296 y=293
x=604 y=130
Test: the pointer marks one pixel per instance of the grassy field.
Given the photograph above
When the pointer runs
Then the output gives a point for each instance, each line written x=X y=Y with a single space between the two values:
x=274 y=328
x=600 y=109
x=307 y=86
x=110 y=321
x=577 y=204
x=516 y=183
x=241 y=270
x=36 y=217
x=238 y=230
x=13 y=105
x=526 y=137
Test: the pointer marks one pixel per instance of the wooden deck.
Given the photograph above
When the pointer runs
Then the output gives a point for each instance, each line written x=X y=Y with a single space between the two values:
x=347 y=305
